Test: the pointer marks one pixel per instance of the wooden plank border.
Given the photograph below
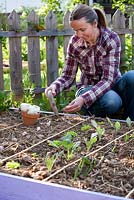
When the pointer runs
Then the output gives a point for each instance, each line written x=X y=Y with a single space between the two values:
x=19 y=188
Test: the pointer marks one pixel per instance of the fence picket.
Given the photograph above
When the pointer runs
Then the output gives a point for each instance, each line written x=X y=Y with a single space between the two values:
x=15 y=58
x=119 y=24
x=34 y=51
x=131 y=26
x=1 y=62
x=66 y=26
x=51 y=49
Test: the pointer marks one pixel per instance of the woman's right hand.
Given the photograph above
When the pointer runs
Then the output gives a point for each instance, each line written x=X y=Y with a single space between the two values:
x=52 y=88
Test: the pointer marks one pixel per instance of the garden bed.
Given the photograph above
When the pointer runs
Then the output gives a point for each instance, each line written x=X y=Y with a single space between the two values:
x=42 y=152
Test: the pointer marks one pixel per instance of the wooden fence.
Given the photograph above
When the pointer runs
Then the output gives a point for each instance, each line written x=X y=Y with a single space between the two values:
x=51 y=33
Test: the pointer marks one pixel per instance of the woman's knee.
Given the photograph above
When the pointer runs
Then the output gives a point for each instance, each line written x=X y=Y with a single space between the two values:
x=129 y=77
x=111 y=102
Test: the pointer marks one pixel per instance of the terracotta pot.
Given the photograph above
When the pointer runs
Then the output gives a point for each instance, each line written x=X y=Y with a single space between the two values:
x=29 y=119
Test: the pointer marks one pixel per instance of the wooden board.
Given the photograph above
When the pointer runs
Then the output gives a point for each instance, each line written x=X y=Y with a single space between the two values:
x=19 y=188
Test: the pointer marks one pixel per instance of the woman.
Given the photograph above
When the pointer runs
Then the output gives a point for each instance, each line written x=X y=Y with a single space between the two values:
x=96 y=50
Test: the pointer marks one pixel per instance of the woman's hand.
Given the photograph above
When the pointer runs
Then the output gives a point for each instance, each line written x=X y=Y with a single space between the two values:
x=52 y=88
x=75 y=105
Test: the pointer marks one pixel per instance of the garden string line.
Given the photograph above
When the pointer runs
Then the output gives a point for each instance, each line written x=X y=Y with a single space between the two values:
x=12 y=156
x=129 y=194
x=87 y=155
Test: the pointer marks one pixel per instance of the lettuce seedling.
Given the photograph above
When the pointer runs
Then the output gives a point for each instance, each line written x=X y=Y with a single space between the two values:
x=94 y=123
x=13 y=165
x=50 y=161
x=100 y=132
x=117 y=126
x=109 y=121
x=85 y=127
x=84 y=165
x=128 y=121
x=89 y=143
x=67 y=144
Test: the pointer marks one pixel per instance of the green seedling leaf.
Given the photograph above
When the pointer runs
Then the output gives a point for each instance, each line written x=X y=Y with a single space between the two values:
x=55 y=143
x=85 y=164
x=100 y=132
x=101 y=123
x=35 y=155
x=85 y=127
x=50 y=161
x=127 y=137
x=66 y=144
x=76 y=145
x=69 y=135
x=128 y=121
x=89 y=143
x=117 y=126
x=94 y=123
x=109 y=121
x=71 y=148
x=13 y=165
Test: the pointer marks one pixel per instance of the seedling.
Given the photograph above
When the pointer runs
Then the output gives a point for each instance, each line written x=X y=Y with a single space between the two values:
x=67 y=144
x=127 y=137
x=13 y=165
x=35 y=155
x=89 y=143
x=100 y=132
x=50 y=161
x=128 y=121
x=84 y=165
x=117 y=126
x=94 y=123
x=109 y=121
x=85 y=127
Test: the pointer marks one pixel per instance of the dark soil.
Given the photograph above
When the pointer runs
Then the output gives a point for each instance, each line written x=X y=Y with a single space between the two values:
x=109 y=167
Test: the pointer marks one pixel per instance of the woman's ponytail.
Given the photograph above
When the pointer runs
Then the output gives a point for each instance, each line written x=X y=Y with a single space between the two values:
x=102 y=22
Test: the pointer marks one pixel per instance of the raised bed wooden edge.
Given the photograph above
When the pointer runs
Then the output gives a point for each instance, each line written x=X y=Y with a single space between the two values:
x=19 y=188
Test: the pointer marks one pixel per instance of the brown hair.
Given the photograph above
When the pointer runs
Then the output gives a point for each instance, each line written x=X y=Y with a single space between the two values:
x=83 y=10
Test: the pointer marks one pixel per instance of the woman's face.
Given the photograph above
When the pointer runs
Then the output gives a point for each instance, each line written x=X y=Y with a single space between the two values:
x=84 y=30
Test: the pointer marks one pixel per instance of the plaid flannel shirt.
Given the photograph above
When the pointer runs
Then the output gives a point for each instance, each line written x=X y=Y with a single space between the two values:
x=99 y=65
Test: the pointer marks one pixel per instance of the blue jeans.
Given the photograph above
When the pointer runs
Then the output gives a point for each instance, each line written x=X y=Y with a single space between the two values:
x=121 y=95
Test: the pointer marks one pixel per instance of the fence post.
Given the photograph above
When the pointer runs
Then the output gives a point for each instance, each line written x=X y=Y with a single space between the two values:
x=119 y=24
x=131 y=26
x=34 y=50
x=15 y=59
x=1 y=60
x=66 y=26
x=51 y=49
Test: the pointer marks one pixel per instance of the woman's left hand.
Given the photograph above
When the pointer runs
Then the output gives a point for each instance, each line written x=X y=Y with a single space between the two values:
x=75 y=105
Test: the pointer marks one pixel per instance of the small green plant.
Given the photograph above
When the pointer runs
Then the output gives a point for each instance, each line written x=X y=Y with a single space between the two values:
x=89 y=143
x=13 y=165
x=94 y=123
x=84 y=166
x=85 y=127
x=50 y=161
x=100 y=132
x=127 y=137
x=128 y=121
x=117 y=126
x=35 y=155
x=109 y=121
x=66 y=144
